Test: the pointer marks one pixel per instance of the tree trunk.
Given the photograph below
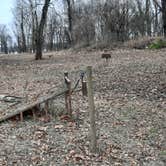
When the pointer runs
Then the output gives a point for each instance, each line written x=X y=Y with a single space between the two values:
x=40 y=29
x=24 y=48
x=39 y=44
x=33 y=25
x=148 y=19
x=18 y=44
x=163 y=3
x=51 y=37
x=70 y=20
x=156 y=29
x=5 y=46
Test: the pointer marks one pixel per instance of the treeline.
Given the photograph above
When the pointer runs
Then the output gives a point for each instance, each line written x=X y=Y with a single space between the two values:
x=79 y=23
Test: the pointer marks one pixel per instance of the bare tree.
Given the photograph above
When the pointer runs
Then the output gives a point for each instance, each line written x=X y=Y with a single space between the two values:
x=70 y=4
x=163 y=4
x=24 y=47
x=85 y=23
x=28 y=28
x=4 y=38
x=40 y=30
x=162 y=8
x=148 y=17
x=33 y=19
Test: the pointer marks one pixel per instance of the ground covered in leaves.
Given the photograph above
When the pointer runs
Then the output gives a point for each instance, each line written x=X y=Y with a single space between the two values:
x=130 y=100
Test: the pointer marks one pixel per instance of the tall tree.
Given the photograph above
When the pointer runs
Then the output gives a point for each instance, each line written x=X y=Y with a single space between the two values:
x=4 y=38
x=24 y=47
x=70 y=4
x=33 y=15
x=148 y=18
x=162 y=7
x=40 y=30
x=163 y=4
x=20 y=20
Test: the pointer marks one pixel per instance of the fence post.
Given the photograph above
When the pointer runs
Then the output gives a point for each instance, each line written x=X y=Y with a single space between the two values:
x=84 y=86
x=33 y=113
x=46 y=108
x=21 y=117
x=69 y=98
x=92 y=113
x=68 y=94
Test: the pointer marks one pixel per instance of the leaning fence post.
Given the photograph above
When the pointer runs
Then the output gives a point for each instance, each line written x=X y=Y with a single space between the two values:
x=68 y=94
x=92 y=111
x=69 y=98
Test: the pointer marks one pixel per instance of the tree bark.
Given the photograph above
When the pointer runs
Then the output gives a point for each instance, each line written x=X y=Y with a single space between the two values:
x=51 y=36
x=39 y=33
x=33 y=26
x=163 y=4
x=148 y=19
x=70 y=20
x=24 y=48
x=92 y=111
x=156 y=32
x=162 y=7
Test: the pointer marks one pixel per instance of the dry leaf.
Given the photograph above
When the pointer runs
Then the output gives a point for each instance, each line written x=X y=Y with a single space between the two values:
x=58 y=126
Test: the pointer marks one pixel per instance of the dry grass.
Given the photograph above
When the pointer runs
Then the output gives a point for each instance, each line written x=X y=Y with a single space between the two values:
x=141 y=43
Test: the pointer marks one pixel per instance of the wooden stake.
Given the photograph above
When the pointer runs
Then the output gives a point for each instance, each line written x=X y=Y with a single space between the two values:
x=92 y=111
x=69 y=98
x=34 y=115
x=21 y=117
x=68 y=94
x=46 y=108
x=84 y=88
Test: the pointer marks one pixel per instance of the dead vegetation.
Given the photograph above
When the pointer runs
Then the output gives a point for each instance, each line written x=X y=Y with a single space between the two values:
x=140 y=43
x=130 y=98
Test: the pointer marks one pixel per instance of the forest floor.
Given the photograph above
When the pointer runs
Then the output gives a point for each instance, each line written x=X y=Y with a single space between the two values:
x=130 y=100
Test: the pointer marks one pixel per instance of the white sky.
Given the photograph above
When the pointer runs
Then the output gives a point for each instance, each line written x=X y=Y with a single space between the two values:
x=5 y=11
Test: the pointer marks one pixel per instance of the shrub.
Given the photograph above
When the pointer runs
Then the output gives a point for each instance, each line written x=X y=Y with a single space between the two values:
x=139 y=43
x=161 y=43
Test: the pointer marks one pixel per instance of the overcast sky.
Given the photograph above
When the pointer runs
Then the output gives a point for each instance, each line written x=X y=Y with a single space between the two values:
x=5 y=11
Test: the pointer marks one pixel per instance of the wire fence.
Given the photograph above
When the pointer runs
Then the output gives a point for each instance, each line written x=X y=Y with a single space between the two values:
x=21 y=105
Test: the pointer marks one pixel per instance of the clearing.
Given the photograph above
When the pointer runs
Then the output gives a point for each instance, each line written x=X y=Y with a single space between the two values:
x=130 y=98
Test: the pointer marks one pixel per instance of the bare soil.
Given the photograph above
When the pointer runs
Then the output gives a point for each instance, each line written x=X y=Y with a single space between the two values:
x=130 y=99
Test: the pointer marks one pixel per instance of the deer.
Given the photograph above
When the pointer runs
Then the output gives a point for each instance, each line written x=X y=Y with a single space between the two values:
x=106 y=55
x=50 y=56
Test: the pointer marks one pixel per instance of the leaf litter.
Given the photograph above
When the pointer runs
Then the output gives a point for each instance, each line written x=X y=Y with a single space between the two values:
x=130 y=99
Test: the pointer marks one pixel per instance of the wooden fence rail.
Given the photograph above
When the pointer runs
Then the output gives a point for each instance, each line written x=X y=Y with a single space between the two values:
x=26 y=107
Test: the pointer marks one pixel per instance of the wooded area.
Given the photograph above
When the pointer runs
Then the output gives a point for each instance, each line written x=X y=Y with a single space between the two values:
x=83 y=82
x=53 y=25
